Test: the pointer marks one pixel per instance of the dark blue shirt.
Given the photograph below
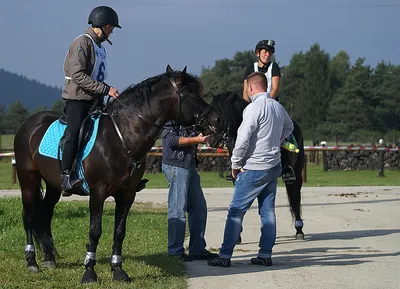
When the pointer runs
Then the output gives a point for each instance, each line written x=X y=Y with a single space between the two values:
x=172 y=153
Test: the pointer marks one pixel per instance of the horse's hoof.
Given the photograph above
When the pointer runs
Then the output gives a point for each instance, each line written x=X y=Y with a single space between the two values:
x=300 y=236
x=49 y=264
x=89 y=276
x=120 y=275
x=33 y=269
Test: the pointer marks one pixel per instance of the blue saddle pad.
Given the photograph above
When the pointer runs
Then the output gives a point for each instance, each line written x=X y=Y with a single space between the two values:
x=49 y=146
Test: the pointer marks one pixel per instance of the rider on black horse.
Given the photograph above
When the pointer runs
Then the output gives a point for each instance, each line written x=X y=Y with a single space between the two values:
x=85 y=70
x=264 y=50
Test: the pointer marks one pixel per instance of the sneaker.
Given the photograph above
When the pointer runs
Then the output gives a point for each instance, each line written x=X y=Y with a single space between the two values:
x=207 y=255
x=261 y=261
x=219 y=262
x=183 y=257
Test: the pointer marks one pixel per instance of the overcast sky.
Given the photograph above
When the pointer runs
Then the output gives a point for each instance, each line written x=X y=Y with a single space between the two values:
x=36 y=33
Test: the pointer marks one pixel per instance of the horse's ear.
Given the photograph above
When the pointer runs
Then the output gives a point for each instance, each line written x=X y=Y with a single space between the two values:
x=169 y=70
x=183 y=75
x=231 y=97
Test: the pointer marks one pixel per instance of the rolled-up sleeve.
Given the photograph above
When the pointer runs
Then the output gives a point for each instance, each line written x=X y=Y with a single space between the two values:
x=171 y=136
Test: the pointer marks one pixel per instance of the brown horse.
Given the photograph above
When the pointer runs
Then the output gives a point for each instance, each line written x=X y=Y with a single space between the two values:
x=127 y=130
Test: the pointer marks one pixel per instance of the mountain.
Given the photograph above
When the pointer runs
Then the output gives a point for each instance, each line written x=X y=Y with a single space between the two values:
x=31 y=93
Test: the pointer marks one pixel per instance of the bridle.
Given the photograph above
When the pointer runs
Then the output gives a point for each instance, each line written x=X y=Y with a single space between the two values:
x=225 y=138
x=200 y=120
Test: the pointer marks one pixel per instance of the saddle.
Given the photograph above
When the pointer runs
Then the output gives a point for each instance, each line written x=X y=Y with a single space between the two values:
x=86 y=129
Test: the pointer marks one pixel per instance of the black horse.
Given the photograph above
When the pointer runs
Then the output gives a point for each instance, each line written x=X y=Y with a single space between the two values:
x=128 y=128
x=229 y=106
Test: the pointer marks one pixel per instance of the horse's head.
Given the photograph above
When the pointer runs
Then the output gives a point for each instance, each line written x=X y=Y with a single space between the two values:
x=229 y=106
x=191 y=108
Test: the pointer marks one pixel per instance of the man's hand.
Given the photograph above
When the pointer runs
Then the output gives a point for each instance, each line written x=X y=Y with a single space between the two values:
x=113 y=92
x=236 y=172
x=202 y=139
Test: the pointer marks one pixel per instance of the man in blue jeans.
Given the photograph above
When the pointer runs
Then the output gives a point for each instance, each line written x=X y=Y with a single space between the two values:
x=256 y=166
x=185 y=194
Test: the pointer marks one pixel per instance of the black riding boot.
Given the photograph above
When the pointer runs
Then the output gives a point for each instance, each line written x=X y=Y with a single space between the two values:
x=288 y=175
x=69 y=180
x=76 y=111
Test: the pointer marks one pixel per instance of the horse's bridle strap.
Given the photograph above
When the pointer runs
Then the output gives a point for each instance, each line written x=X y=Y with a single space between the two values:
x=128 y=151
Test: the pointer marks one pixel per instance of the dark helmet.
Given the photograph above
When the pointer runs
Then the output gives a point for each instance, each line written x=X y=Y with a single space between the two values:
x=103 y=15
x=265 y=44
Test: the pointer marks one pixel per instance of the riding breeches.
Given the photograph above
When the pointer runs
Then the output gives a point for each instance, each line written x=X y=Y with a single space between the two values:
x=76 y=111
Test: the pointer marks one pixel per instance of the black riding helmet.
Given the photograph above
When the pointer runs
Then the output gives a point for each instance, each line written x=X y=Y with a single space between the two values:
x=265 y=44
x=103 y=15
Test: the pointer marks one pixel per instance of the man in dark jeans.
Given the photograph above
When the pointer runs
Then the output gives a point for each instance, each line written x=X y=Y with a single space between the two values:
x=85 y=70
x=185 y=194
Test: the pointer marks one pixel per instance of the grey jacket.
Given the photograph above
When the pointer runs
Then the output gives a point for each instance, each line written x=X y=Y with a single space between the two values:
x=265 y=124
x=78 y=65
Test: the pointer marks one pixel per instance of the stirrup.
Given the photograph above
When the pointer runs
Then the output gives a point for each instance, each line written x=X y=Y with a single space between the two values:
x=67 y=185
x=288 y=175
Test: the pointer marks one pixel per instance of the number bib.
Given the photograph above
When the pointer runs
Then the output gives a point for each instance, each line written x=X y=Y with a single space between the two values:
x=268 y=74
x=99 y=72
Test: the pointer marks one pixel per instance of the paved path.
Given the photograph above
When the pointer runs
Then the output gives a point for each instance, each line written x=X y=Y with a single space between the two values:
x=352 y=241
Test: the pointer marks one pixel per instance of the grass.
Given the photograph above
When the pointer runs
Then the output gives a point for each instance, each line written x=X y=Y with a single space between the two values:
x=315 y=177
x=144 y=251
x=6 y=142
x=5 y=174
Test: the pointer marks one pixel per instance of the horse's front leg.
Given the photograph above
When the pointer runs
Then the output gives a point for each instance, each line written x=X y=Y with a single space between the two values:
x=96 y=212
x=123 y=202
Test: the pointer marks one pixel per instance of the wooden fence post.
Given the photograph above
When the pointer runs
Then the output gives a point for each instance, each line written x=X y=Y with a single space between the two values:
x=13 y=172
x=381 y=163
x=220 y=167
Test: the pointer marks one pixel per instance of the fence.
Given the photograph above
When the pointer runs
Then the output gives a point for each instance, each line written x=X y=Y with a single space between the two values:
x=312 y=155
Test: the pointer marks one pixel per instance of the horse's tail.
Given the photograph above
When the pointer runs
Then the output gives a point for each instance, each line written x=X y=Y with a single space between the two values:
x=37 y=208
x=41 y=224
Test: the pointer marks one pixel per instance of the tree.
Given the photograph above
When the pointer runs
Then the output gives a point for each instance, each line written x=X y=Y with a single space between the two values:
x=58 y=106
x=339 y=68
x=308 y=85
x=1 y=119
x=386 y=101
x=292 y=77
x=350 y=110
x=39 y=109
x=14 y=117
x=227 y=74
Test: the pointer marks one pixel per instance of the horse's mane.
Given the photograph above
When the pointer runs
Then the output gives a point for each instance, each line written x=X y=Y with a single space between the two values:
x=230 y=106
x=139 y=94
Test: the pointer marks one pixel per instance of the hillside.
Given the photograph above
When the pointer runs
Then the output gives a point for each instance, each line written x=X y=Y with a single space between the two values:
x=31 y=93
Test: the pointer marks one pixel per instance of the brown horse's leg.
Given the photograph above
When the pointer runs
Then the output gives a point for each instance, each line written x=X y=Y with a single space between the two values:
x=49 y=202
x=123 y=202
x=96 y=205
x=31 y=199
